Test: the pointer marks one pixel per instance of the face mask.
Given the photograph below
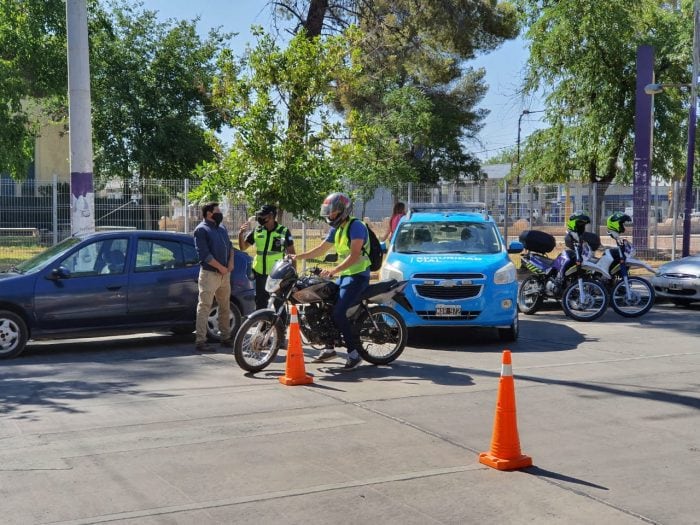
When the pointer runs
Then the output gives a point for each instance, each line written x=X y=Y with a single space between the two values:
x=262 y=221
x=218 y=217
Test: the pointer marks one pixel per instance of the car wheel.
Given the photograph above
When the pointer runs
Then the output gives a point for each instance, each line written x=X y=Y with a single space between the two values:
x=681 y=302
x=213 y=332
x=13 y=334
x=510 y=335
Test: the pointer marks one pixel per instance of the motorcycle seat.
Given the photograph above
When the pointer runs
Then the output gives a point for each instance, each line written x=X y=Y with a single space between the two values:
x=377 y=288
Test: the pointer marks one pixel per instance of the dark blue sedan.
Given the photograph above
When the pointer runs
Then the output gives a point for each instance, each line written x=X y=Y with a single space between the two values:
x=111 y=282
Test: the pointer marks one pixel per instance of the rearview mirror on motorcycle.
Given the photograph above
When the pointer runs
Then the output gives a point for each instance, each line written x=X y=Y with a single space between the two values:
x=331 y=257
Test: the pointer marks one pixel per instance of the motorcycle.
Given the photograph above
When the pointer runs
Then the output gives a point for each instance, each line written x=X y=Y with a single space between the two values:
x=630 y=295
x=564 y=278
x=380 y=328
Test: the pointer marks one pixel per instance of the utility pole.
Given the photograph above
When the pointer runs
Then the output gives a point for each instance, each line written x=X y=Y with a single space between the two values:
x=82 y=199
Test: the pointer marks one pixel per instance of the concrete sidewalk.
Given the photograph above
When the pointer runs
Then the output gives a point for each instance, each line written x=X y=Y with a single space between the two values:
x=141 y=430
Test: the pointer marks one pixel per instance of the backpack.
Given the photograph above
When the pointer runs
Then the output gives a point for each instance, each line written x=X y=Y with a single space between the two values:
x=375 y=248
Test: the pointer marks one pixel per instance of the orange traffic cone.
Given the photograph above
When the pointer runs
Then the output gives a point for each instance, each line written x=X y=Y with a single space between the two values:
x=295 y=374
x=505 y=451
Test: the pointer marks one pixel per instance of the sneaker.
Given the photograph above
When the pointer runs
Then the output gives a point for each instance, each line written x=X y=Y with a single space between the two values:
x=325 y=355
x=352 y=363
x=204 y=348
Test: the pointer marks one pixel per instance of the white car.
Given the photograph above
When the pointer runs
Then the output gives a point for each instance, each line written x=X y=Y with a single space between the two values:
x=679 y=280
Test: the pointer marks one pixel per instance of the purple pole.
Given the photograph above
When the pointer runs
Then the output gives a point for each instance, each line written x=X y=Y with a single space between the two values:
x=692 y=119
x=643 y=137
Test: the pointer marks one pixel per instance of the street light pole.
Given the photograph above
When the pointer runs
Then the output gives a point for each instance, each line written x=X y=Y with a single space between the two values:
x=692 y=124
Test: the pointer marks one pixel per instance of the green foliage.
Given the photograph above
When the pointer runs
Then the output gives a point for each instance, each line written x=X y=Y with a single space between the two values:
x=269 y=159
x=583 y=56
x=32 y=65
x=151 y=85
x=423 y=46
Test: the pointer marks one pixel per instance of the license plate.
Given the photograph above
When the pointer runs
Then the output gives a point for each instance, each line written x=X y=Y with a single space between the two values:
x=448 y=310
x=674 y=286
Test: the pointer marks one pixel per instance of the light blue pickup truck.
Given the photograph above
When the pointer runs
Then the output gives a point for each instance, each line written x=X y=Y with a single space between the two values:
x=458 y=267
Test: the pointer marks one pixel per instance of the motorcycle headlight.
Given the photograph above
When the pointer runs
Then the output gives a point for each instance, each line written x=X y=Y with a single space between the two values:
x=272 y=285
x=505 y=275
x=390 y=272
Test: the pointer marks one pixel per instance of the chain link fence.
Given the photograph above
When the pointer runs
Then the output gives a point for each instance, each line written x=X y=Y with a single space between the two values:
x=35 y=217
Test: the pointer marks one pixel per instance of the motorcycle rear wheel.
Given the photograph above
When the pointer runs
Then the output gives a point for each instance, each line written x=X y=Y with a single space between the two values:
x=643 y=297
x=530 y=296
x=592 y=307
x=258 y=340
x=383 y=335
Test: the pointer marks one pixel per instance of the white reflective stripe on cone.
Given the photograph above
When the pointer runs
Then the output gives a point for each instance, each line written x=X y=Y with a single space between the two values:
x=506 y=370
x=294 y=319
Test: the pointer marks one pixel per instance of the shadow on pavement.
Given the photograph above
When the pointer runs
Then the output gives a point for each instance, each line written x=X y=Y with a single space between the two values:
x=542 y=473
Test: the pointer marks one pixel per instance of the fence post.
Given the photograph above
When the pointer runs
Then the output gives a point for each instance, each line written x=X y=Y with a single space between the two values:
x=187 y=205
x=505 y=212
x=675 y=220
x=54 y=207
x=656 y=218
x=303 y=245
x=596 y=217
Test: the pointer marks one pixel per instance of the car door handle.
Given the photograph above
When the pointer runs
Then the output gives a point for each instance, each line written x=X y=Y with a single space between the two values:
x=114 y=288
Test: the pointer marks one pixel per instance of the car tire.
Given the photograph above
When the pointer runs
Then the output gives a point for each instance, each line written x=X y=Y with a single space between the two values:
x=685 y=303
x=213 y=322
x=13 y=334
x=510 y=334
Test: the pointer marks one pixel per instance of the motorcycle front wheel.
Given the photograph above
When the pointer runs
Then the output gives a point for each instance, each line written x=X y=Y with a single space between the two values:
x=530 y=296
x=258 y=340
x=641 y=298
x=588 y=308
x=383 y=335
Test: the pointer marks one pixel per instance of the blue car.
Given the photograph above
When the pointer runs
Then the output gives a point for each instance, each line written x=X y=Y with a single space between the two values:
x=458 y=269
x=112 y=282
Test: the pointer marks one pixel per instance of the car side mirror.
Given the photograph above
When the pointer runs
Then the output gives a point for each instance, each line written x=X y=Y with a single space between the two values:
x=515 y=247
x=59 y=273
x=331 y=257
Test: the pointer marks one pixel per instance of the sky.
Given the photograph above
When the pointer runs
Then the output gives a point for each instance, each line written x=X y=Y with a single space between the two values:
x=504 y=67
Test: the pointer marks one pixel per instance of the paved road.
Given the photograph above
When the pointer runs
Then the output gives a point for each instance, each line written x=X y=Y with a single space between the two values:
x=141 y=430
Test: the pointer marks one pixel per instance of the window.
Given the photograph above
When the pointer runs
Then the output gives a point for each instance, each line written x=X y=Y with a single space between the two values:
x=191 y=257
x=155 y=255
x=98 y=258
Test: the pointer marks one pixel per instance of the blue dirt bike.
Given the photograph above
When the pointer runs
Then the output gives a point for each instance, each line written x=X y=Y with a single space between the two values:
x=565 y=278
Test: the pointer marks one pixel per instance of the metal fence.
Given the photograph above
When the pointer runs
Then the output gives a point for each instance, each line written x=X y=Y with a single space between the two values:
x=33 y=217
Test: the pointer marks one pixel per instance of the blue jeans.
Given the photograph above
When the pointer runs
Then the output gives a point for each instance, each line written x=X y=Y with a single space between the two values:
x=351 y=287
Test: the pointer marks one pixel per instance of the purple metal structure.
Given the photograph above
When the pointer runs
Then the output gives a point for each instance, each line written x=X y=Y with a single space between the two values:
x=643 y=126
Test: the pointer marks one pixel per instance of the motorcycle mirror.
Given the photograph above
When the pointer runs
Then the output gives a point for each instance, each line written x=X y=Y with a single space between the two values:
x=331 y=257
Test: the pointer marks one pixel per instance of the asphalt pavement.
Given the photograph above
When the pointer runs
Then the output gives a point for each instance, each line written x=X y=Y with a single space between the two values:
x=142 y=430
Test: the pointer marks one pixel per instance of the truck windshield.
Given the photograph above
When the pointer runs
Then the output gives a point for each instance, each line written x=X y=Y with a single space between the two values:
x=447 y=237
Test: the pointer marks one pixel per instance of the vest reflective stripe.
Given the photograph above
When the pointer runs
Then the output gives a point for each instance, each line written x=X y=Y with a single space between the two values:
x=265 y=255
x=342 y=248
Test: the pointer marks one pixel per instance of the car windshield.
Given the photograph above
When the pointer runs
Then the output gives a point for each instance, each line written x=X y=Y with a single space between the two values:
x=37 y=262
x=447 y=237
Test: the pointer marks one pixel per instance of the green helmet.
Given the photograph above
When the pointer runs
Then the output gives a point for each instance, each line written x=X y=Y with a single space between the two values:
x=616 y=222
x=577 y=222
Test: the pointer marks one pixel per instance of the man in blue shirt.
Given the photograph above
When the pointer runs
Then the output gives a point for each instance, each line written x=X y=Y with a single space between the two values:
x=215 y=253
x=351 y=241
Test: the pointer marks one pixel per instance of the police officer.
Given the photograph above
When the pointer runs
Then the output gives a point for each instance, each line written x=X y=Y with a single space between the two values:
x=271 y=241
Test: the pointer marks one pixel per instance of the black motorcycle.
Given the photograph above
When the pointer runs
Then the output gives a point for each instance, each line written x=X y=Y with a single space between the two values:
x=381 y=329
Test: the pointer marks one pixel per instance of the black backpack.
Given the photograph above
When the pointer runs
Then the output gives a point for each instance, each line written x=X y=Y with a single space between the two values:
x=375 y=248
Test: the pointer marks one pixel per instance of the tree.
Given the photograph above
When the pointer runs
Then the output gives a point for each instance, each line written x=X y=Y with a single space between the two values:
x=417 y=44
x=151 y=86
x=33 y=73
x=271 y=158
x=582 y=55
